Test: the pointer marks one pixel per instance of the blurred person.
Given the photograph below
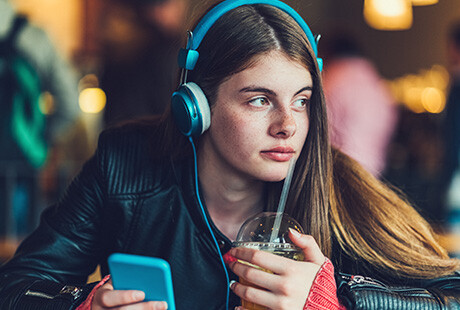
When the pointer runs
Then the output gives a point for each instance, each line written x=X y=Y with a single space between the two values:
x=139 y=64
x=180 y=187
x=24 y=160
x=415 y=163
x=361 y=110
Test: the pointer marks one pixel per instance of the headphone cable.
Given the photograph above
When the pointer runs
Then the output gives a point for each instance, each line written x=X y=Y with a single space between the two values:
x=207 y=222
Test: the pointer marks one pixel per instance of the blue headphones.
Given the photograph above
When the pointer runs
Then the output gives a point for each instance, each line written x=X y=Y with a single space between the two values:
x=189 y=105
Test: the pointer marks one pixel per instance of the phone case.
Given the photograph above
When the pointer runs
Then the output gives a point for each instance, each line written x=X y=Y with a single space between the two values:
x=148 y=274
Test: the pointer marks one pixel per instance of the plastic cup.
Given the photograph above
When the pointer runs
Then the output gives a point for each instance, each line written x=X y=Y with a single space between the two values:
x=257 y=233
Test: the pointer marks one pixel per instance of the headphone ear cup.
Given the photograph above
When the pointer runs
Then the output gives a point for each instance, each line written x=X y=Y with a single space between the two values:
x=191 y=110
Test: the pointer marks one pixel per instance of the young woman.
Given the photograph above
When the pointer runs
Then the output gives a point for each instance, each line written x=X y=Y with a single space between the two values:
x=138 y=195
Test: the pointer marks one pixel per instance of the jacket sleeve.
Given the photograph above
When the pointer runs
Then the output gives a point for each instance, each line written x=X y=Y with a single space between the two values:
x=358 y=292
x=50 y=268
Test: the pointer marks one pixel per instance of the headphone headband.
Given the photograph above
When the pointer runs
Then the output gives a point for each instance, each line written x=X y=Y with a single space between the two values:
x=189 y=56
x=189 y=105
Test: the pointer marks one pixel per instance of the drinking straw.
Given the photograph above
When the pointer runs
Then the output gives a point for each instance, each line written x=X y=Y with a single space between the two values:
x=282 y=202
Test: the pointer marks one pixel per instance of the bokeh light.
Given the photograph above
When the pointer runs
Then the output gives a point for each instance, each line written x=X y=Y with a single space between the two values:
x=388 y=14
x=424 y=92
x=92 y=100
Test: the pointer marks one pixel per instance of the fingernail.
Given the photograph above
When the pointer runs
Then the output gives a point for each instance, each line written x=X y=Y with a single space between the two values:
x=232 y=284
x=160 y=305
x=294 y=232
x=228 y=258
x=139 y=295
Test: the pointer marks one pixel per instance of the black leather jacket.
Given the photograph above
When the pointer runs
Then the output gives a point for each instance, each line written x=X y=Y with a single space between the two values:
x=125 y=201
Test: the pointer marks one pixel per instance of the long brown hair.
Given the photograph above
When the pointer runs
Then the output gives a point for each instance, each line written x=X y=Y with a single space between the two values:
x=372 y=221
x=331 y=196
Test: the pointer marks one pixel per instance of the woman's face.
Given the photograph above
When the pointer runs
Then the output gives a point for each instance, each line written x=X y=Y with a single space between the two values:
x=259 y=121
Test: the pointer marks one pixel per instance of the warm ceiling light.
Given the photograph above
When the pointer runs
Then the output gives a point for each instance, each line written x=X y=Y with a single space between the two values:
x=92 y=100
x=424 y=2
x=433 y=100
x=388 y=14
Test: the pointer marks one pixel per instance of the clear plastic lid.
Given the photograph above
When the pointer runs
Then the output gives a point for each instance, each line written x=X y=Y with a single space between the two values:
x=258 y=229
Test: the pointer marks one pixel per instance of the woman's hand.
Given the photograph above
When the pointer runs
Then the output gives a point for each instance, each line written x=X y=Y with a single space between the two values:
x=108 y=298
x=290 y=283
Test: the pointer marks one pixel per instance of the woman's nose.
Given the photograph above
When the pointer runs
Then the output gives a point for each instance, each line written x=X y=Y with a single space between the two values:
x=283 y=123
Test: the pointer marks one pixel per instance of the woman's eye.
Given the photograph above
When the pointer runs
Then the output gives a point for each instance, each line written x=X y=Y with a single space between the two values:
x=301 y=103
x=259 y=102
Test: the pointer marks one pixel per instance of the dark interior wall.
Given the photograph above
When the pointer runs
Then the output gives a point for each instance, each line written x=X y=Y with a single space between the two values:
x=311 y=10
x=396 y=53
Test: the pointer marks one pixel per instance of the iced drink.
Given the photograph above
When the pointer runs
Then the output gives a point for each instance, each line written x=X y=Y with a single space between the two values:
x=258 y=233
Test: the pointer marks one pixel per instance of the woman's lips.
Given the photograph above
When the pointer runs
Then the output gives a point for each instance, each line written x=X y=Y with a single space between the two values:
x=280 y=154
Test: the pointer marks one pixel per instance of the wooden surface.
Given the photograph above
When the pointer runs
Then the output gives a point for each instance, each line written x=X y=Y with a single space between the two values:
x=7 y=248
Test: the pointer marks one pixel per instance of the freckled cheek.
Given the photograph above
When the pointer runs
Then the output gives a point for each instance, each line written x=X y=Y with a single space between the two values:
x=302 y=130
x=303 y=124
x=305 y=131
x=239 y=134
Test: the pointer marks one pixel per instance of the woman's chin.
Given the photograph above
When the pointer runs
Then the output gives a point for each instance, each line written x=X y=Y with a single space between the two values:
x=274 y=177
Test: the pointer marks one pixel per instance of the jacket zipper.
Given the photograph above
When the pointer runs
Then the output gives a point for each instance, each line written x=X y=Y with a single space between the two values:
x=364 y=280
x=39 y=294
x=361 y=280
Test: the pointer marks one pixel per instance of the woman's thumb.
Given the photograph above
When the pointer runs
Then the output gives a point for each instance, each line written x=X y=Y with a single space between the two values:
x=308 y=245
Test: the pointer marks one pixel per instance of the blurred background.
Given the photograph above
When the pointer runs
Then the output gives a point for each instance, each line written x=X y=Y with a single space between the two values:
x=390 y=73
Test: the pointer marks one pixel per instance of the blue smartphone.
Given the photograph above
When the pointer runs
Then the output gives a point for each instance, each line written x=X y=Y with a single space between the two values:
x=148 y=274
